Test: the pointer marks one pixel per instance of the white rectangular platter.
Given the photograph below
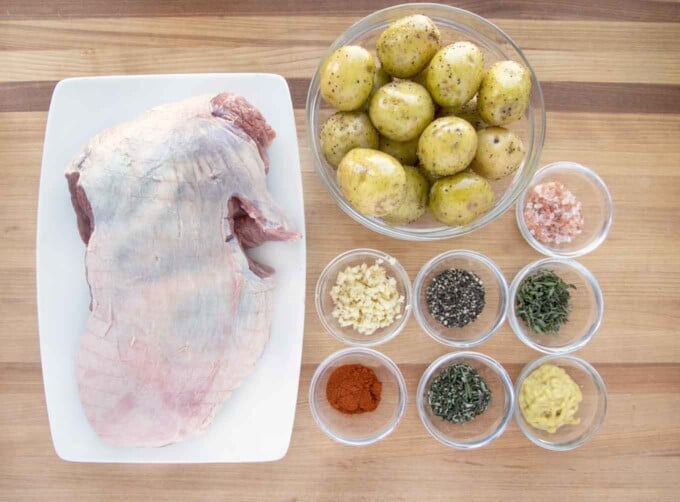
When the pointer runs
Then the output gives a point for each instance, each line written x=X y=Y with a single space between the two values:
x=256 y=423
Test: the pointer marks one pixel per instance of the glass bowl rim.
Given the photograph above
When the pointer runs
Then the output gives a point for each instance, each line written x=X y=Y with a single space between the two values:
x=502 y=287
x=536 y=135
x=394 y=370
x=599 y=383
x=402 y=276
x=521 y=333
x=509 y=389
x=595 y=179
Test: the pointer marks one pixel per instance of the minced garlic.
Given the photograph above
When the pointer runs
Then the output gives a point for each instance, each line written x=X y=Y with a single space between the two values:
x=366 y=299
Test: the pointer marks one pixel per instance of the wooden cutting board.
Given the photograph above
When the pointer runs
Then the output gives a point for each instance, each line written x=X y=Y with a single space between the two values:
x=610 y=72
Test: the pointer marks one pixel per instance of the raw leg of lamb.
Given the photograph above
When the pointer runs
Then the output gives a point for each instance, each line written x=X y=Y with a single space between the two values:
x=167 y=205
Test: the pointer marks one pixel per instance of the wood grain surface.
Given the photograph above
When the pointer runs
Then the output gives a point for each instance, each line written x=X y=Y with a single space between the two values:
x=610 y=71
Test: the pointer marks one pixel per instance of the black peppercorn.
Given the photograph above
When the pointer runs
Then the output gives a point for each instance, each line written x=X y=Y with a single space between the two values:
x=455 y=298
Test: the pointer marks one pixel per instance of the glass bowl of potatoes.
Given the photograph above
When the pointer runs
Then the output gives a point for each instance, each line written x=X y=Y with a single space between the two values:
x=425 y=121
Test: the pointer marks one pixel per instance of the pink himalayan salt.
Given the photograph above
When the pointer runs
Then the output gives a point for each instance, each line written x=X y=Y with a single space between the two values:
x=553 y=214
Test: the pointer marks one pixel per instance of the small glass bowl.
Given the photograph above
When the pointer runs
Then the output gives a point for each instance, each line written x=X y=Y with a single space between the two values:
x=324 y=303
x=587 y=308
x=483 y=429
x=368 y=427
x=495 y=294
x=591 y=411
x=597 y=208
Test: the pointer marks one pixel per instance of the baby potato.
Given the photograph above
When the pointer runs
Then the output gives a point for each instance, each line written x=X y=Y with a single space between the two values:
x=447 y=146
x=344 y=131
x=347 y=77
x=504 y=93
x=401 y=110
x=415 y=200
x=454 y=74
x=431 y=178
x=373 y=182
x=468 y=112
x=461 y=198
x=421 y=78
x=499 y=153
x=381 y=78
x=407 y=45
x=403 y=151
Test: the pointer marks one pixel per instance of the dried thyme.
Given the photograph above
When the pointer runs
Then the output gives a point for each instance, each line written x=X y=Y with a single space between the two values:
x=544 y=301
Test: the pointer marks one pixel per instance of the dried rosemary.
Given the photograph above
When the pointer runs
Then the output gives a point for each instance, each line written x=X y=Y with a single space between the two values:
x=459 y=394
x=544 y=301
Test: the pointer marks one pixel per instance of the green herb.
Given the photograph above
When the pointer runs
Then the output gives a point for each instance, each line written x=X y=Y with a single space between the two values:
x=544 y=301
x=459 y=394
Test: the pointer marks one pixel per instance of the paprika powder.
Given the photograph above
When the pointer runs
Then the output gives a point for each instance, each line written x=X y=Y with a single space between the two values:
x=353 y=388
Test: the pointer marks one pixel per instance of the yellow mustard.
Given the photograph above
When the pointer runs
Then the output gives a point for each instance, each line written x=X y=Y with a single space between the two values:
x=549 y=398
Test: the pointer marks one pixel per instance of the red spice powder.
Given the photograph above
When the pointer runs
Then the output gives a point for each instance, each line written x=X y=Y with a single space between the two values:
x=353 y=388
